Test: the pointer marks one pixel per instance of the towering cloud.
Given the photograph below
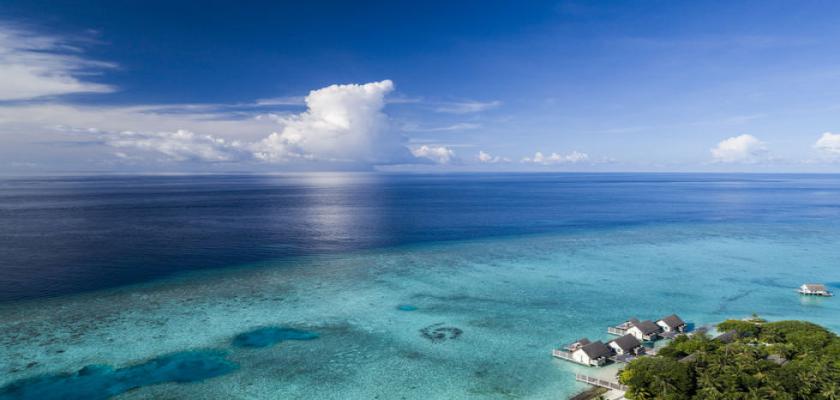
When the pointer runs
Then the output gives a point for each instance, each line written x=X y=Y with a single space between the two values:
x=341 y=123
x=739 y=149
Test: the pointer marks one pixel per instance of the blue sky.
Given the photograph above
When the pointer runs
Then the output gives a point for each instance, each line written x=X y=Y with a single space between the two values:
x=578 y=86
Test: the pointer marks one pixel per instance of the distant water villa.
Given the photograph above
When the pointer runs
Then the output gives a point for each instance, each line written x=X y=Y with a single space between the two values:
x=815 y=289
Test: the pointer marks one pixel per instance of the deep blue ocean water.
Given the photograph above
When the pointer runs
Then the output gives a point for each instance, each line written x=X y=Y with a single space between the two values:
x=61 y=235
x=365 y=286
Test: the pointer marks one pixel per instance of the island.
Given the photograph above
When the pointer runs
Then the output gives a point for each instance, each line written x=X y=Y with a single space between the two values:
x=752 y=359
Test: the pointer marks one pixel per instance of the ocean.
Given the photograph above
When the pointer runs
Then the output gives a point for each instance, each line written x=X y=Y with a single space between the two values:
x=350 y=285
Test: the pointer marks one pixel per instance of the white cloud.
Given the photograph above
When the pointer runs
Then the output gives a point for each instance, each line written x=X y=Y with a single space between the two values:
x=829 y=144
x=341 y=123
x=460 y=126
x=43 y=121
x=467 y=107
x=574 y=157
x=34 y=66
x=181 y=145
x=739 y=149
x=487 y=158
x=438 y=154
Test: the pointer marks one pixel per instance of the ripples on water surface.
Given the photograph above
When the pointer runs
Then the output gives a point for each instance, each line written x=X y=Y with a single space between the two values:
x=68 y=234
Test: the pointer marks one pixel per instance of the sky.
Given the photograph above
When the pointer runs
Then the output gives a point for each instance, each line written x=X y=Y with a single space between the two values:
x=184 y=86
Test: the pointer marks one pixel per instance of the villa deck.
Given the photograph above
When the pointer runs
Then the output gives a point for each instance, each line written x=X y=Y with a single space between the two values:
x=561 y=354
x=616 y=330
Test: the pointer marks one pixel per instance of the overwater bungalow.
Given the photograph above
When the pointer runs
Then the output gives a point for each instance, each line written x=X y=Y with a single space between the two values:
x=814 y=289
x=626 y=345
x=586 y=352
x=595 y=354
x=621 y=329
x=644 y=330
x=672 y=324
x=647 y=330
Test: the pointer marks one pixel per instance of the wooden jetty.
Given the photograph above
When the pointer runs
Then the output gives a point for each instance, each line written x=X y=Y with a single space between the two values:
x=600 y=382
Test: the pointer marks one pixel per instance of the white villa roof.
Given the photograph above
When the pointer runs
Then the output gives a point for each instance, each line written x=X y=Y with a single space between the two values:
x=815 y=287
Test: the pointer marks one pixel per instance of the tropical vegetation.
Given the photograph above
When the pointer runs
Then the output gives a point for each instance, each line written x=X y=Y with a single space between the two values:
x=757 y=360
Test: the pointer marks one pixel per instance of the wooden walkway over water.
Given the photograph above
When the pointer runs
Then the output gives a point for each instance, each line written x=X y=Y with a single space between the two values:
x=600 y=382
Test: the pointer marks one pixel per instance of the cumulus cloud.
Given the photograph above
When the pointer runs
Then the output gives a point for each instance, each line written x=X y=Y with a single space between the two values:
x=438 y=154
x=34 y=66
x=739 y=149
x=574 y=157
x=341 y=123
x=181 y=145
x=829 y=144
x=487 y=158
x=467 y=107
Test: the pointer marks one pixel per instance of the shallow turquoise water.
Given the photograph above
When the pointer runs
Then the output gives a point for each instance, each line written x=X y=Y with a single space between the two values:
x=511 y=299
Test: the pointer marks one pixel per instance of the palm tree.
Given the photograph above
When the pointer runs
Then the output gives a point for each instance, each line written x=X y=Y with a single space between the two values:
x=830 y=390
x=754 y=394
x=663 y=386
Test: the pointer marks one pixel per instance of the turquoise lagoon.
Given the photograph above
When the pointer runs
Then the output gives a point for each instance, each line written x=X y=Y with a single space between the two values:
x=484 y=313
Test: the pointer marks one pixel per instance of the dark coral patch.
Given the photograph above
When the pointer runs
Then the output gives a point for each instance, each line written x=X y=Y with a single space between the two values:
x=438 y=333
x=95 y=382
x=269 y=336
